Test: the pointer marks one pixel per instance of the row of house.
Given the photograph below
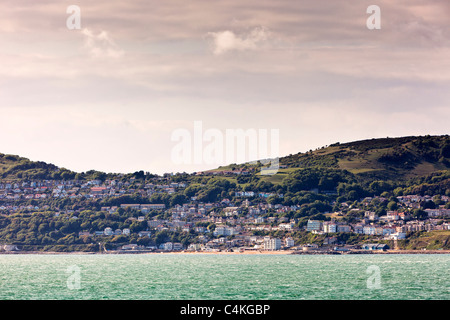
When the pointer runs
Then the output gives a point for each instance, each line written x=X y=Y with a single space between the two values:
x=81 y=189
x=247 y=243
x=395 y=230
x=251 y=194
x=110 y=232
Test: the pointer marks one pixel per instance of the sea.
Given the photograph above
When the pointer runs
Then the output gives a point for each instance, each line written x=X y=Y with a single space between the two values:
x=223 y=277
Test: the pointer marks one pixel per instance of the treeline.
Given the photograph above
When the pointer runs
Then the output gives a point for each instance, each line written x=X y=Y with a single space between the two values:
x=46 y=231
x=422 y=148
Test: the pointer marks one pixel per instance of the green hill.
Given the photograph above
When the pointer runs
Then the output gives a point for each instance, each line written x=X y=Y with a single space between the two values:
x=405 y=165
x=14 y=167
x=376 y=159
x=387 y=159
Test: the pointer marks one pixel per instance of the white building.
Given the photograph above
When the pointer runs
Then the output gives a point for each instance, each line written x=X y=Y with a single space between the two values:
x=369 y=230
x=289 y=242
x=388 y=230
x=167 y=246
x=144 y=234
x=308 y=247
x=343 y=228
x=285 y=226
x=177 y=246
x=130 y=246
x=313 y=225
x=10 y=247
x=329 y=227
x=195 y=247
x=224 y=231
x=359 y=229
x=437 y=212
x=397 y=236
x=259 y=220
x=272 y=244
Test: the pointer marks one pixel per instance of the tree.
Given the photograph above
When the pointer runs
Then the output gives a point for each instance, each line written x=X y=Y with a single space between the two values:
x=144 y=241
x=137 y=226
x=274 y=199
x=428 y=205
x=398 y=192
x=352 y=195
x=119 y=239
x=43 y=227
x=178 y=198
x=392 y=205
x=419 y=214
x=47 y=240
x=378 y=187
x=160 y=237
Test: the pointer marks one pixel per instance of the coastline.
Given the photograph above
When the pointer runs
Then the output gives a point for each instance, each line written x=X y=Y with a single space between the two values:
x=150 y=252
x=248 y=252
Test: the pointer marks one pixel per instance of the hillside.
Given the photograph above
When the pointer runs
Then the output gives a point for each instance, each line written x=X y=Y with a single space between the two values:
x=389 y=157
x=16 y=167
x=433 y=240
x=396 y=159
x=386 y=159
x=13 y=167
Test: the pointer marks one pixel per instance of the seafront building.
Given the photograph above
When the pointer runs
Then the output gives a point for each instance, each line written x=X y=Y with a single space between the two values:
x=272 y=244
x=289 y=242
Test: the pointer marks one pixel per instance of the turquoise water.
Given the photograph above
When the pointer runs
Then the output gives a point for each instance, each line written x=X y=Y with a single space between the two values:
x=255 y=277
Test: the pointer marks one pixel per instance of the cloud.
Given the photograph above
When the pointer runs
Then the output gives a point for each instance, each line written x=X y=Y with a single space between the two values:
x=225 y=41
x=317 y=63
x=101 y=45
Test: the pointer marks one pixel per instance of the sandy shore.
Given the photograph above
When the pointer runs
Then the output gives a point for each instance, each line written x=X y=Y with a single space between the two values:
x=246 y=252
x=232 y=253
x=249 y=252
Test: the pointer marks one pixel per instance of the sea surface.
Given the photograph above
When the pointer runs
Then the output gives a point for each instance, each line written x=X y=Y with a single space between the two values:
x=224 y=277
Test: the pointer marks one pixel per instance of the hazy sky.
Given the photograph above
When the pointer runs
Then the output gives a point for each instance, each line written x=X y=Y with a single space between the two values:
x=109 y=95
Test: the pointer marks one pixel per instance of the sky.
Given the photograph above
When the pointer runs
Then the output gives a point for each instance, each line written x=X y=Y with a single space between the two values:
x=110 y=94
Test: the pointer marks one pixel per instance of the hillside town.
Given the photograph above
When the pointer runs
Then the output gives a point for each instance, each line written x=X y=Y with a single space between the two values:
x=247 y=221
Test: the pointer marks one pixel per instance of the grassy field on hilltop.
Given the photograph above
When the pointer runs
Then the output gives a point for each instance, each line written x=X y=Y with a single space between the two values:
x=384 y=159
x=432 y=240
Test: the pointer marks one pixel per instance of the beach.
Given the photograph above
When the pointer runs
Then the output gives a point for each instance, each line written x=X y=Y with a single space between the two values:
x=245 y=252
